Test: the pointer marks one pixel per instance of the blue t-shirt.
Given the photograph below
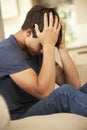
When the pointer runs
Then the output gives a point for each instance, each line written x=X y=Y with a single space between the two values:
x=13 y=60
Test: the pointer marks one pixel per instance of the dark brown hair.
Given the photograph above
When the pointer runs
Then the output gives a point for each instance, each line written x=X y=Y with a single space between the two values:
x=36 y=16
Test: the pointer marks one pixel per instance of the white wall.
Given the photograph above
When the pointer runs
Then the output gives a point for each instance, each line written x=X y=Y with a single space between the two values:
x=13 y=24
x=81 y=18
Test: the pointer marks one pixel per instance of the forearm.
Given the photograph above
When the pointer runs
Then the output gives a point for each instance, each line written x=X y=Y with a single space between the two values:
x=48 y=38
x=46 y=78
x=71 y=75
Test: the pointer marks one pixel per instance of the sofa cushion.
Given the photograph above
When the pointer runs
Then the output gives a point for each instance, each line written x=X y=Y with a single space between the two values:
x=62 y=121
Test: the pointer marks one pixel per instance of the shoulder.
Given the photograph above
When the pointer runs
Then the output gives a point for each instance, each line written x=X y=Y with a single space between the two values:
x=11 y=57
x=9 y=49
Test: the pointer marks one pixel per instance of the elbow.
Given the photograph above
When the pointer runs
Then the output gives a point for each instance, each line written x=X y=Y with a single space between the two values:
x=76 y=84
x=74 y=81
x=43 y=95
x=44 y=92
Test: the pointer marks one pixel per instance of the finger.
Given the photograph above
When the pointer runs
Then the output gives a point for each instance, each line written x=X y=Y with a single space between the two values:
x=37 y=29
x=56 y=22
x=62 y=26
x=50 y=19
x=45 y=21
x=59 y=26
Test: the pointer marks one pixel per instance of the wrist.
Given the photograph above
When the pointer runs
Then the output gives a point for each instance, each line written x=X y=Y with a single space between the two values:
x=62 y=50
x=48 y=49
x=62 y=46
x=47 y=46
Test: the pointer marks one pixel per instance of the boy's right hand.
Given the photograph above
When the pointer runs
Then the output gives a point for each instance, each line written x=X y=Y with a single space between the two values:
x=49 y=35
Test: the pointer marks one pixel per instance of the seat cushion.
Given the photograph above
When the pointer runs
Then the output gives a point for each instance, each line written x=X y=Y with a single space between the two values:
x=61 y=121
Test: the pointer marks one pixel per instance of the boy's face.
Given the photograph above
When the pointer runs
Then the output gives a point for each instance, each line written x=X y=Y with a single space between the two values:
x=33 y=45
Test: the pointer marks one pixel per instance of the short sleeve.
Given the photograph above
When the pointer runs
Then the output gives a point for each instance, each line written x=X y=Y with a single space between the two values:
x=12 y=59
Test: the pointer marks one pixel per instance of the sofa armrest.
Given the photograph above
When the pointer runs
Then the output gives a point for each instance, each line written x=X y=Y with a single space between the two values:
x=4 y=115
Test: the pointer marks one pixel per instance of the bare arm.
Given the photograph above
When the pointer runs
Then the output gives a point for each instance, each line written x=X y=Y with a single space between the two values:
x=69 y=72
x=43 y=84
